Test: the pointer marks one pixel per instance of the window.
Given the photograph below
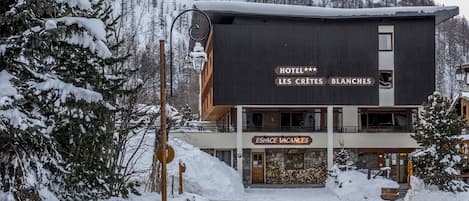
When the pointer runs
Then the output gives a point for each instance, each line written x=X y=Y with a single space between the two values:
x=295 y=161
x=285 y=120
x=385 y=42
x=385 y=79
x=297 y=120
x=372 y=120
x=254 y=121
x=224 y=156
x=294 y=120
x=337 y=119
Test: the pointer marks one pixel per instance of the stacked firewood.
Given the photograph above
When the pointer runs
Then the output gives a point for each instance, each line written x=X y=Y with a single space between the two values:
x=276 y=174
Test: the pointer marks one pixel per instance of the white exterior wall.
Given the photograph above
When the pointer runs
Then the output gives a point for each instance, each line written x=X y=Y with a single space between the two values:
x=239 y=140
x=217 y=140
x=350 y=116
x=330 y=137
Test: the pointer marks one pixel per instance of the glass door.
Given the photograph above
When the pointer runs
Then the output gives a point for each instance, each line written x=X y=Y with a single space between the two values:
x=403 y=167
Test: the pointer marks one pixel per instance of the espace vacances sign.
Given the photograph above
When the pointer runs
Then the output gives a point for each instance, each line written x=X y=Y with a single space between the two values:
x=306 y=76
x=282 y=140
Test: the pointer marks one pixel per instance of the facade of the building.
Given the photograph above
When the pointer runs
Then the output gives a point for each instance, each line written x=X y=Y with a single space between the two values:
x=287 y=86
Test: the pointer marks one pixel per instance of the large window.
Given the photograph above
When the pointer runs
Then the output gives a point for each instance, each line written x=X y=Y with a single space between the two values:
x=385 y=42
x=307 y=121
x=374 y=120
x=294 y=120
x=294 y=161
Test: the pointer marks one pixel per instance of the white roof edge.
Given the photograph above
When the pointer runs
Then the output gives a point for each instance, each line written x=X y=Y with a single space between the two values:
x=441 y=13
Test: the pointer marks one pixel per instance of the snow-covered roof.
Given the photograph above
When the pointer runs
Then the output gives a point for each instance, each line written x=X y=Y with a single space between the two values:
x=441 y=13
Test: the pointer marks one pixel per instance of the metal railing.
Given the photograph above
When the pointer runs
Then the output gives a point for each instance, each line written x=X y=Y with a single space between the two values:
x=284 y=129
x=374 y=129
x=288 y=129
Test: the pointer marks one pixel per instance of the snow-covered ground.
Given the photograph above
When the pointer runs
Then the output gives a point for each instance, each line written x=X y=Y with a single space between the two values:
x=300 y=194
x=157 y=197
x=353 y=185
x=207 y=178
x=421 y=192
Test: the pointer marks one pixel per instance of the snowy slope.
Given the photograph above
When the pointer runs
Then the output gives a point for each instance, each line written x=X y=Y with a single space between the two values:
x=205 y=175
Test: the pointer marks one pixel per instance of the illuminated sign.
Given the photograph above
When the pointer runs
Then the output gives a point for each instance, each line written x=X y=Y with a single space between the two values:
x=282 y=140
x=304 y=76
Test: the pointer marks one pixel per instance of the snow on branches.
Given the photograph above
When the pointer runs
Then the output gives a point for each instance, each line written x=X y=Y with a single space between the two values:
x=438 y=162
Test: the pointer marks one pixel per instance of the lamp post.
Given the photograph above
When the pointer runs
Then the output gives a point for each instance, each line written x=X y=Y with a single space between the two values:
x=198 y=58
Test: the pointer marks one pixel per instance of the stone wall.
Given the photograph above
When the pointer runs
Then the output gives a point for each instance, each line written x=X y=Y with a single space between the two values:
x=314 y=171
x=247 y=166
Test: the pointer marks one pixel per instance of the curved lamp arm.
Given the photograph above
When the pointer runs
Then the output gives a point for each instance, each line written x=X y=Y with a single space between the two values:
x=192 y=37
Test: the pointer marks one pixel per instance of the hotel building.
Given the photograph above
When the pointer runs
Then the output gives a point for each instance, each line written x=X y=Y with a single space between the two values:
x=285 y=87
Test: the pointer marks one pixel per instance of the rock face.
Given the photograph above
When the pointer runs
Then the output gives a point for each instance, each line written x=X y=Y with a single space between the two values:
x=296 y=166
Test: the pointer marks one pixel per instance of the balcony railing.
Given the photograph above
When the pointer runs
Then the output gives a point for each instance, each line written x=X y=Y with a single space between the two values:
x=374 y=129
x=285 y=129
x=288 y=129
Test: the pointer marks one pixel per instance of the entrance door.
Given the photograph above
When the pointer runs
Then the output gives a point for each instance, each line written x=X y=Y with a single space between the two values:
x=403 y=168
x=398 y=164
x=257 y=167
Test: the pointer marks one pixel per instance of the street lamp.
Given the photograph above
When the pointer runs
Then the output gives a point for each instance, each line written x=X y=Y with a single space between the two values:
x=198 y=57
x=198 y=48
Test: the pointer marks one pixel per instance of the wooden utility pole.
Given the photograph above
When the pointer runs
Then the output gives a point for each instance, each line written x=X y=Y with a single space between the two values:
x=163 y=121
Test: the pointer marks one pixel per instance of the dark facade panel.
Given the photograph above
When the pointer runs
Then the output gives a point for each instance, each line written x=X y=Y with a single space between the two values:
x=245 y=56
x=414 y=61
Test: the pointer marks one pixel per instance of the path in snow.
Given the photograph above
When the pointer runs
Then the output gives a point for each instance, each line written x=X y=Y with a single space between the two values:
x=296 y=194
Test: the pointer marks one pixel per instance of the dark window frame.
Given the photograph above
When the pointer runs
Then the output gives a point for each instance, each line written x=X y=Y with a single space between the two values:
x=222 y=154
x=364 y=118
x=392 y=42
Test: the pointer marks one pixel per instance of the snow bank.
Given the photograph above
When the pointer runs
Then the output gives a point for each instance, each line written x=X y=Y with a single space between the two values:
x=205 y=175
x=422 y=192
x=157 y=197
x=353 y=185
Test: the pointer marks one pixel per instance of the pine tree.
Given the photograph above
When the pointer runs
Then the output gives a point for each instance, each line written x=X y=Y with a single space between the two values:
x=437 y=162
x=342 y=157
x=56 y=116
